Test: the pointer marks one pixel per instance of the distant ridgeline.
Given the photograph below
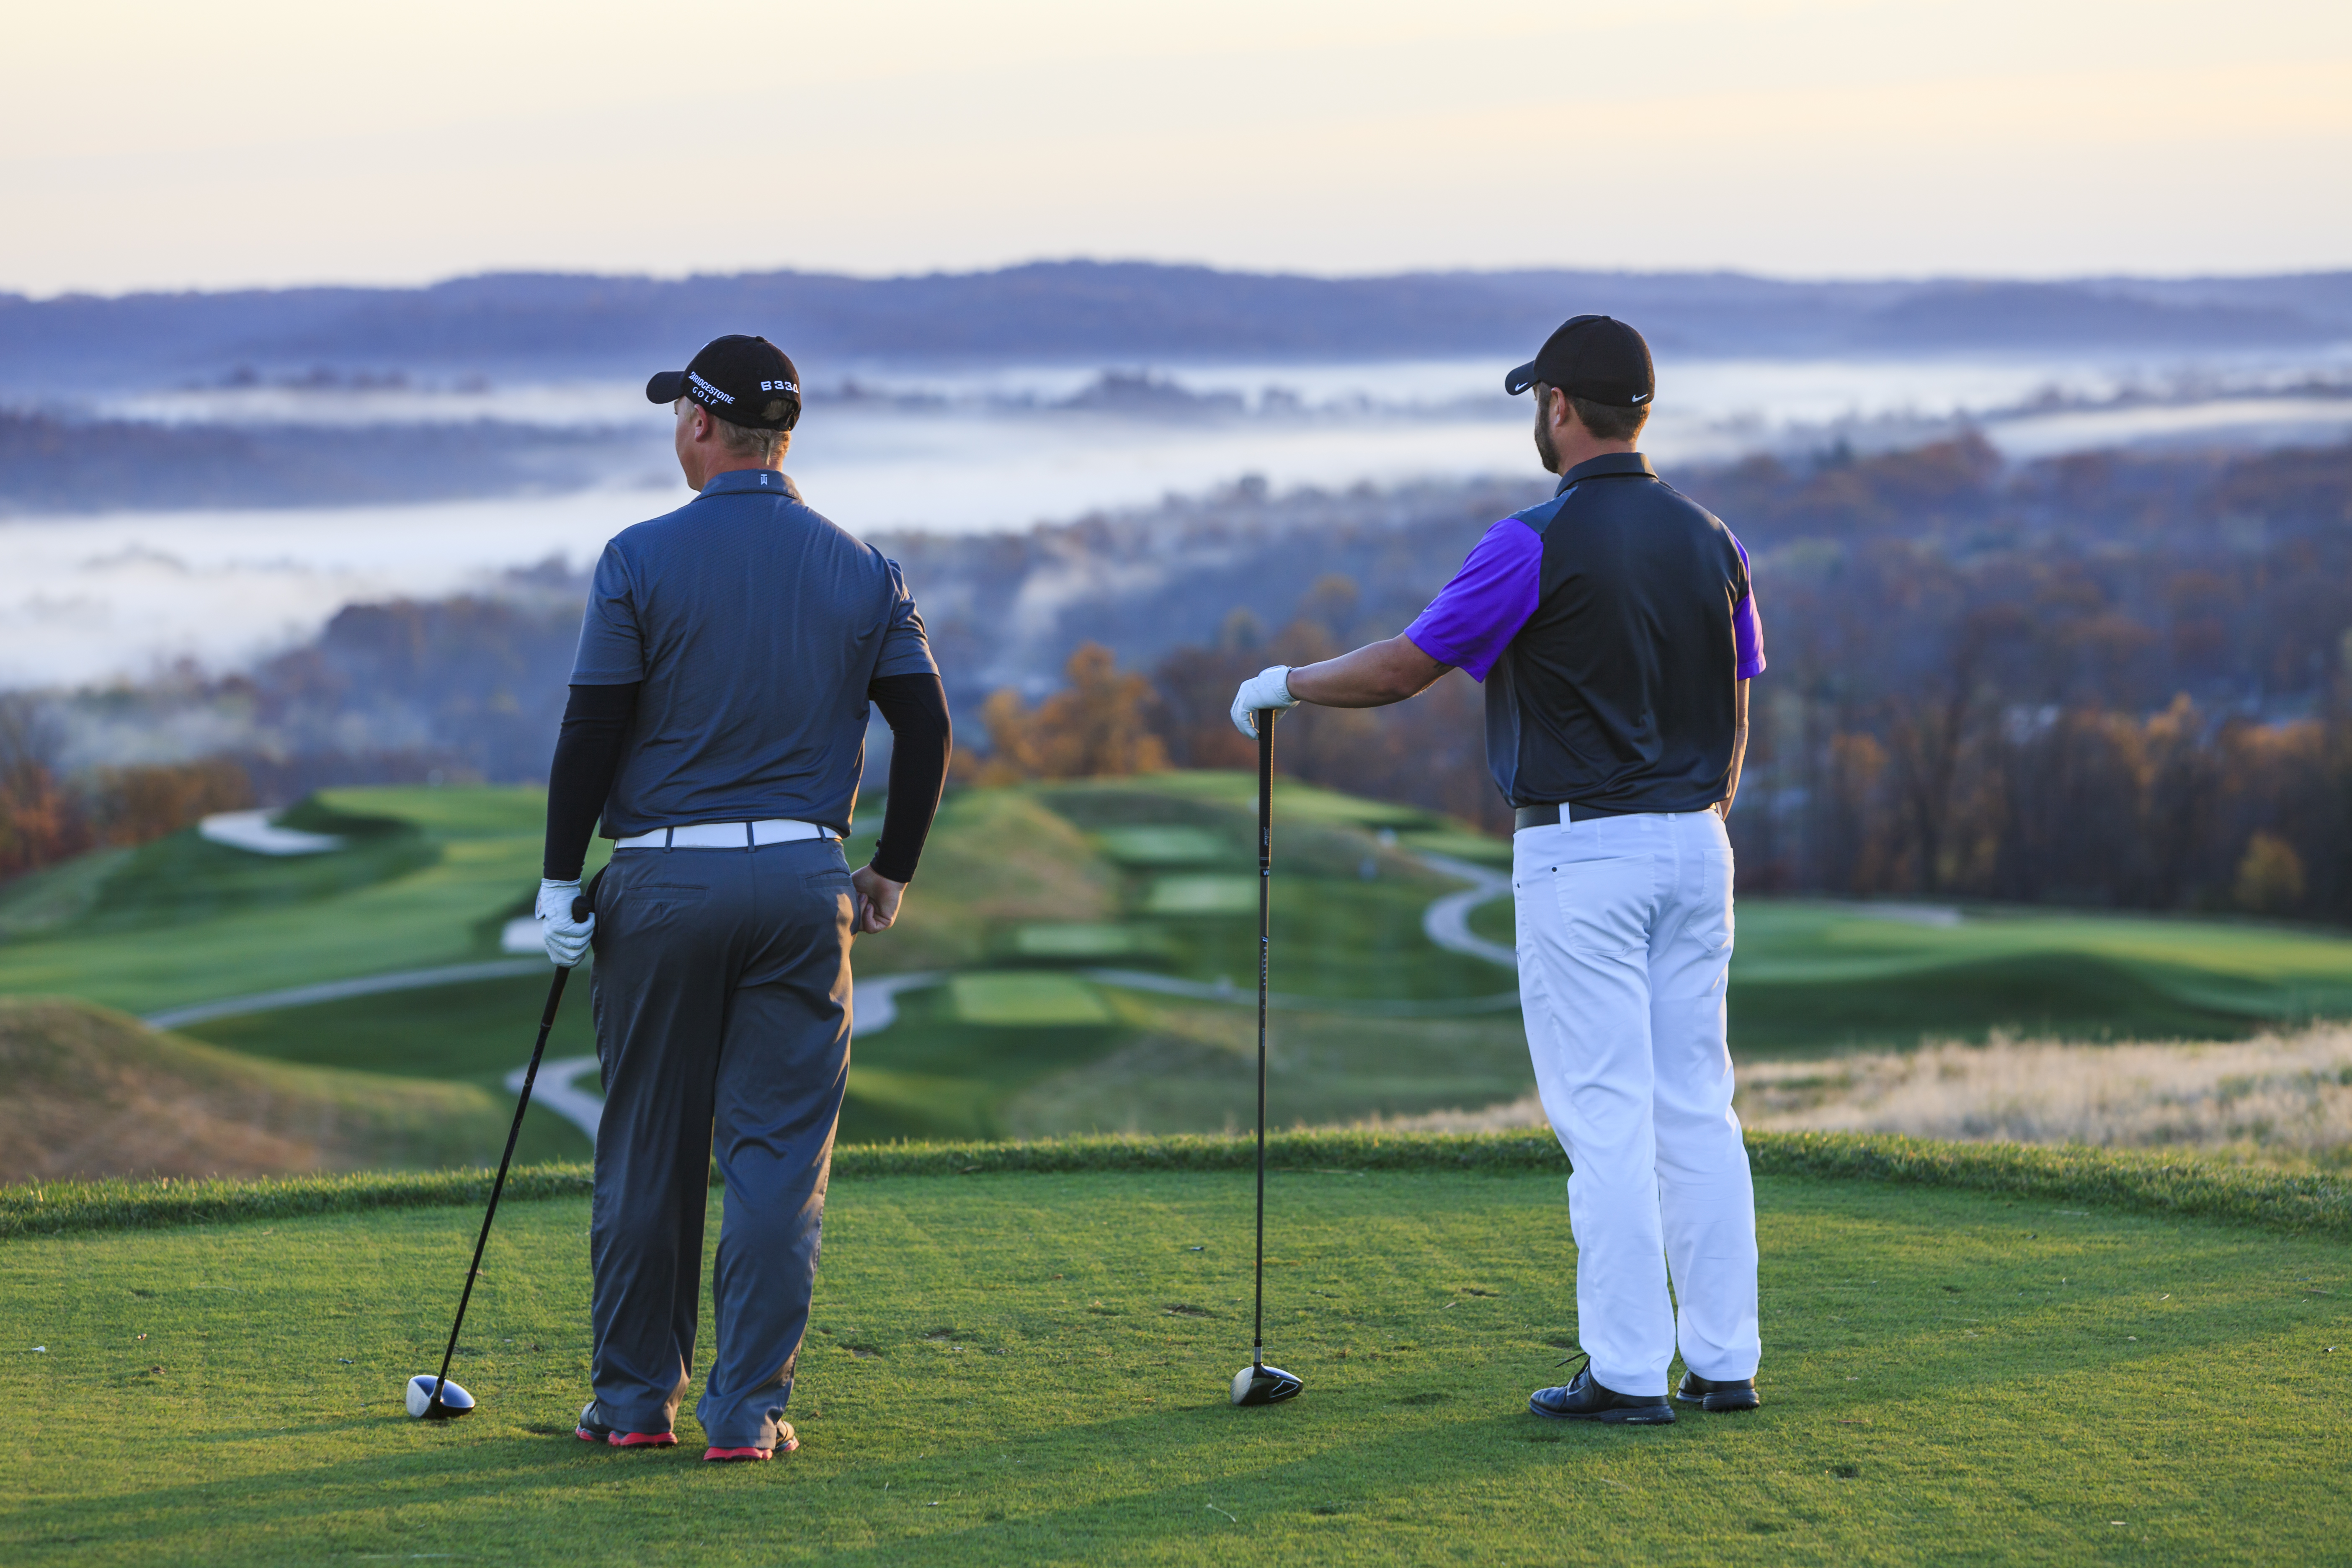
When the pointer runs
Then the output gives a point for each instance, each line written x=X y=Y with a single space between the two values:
x=2114 y=678
x=51 y=465
x=1081 y=311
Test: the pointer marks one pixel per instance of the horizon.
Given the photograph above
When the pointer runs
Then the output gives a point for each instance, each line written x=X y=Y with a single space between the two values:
x=1794 y=279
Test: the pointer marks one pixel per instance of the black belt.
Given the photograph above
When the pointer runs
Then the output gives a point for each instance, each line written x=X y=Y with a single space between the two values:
x=1549 y=813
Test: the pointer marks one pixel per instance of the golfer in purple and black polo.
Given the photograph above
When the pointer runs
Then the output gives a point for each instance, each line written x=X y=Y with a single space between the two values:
x=1616 y=632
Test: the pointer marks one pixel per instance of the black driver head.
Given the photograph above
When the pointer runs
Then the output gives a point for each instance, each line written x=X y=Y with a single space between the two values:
x=1258 y=1383
x=453 y=1401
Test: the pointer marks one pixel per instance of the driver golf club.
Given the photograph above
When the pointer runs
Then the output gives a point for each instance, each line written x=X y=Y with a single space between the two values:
x=1258 y=1383
x=432 y=1398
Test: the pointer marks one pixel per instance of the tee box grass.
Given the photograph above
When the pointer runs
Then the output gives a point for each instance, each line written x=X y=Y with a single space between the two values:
x=1030 y=1368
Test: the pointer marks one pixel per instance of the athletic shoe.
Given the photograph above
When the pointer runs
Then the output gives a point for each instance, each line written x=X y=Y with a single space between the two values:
x=1711 y=1395
x=786 y=1441
x=1584 y=1399
x=594 y=1428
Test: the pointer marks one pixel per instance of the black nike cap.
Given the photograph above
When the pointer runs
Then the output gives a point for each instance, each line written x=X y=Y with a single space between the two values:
x=745 y=381
x=1597 y=358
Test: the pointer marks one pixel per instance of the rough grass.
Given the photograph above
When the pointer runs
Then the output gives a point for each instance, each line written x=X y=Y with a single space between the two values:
x=88 y=1091
x=2274 y=1097
x=2172 y=1186
x=1021 y=1368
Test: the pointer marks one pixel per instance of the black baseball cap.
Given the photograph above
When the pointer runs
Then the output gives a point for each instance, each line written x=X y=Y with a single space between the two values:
x=1593 y=357
x=744 y=380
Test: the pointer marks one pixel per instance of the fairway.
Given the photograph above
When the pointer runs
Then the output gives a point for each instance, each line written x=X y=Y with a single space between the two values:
x=1032 y=1368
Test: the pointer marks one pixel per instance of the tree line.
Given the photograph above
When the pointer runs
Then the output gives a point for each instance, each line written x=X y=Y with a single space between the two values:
x=2115 y=681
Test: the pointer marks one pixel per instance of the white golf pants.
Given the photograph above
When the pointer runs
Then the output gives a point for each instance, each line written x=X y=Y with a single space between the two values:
x=1625 y=942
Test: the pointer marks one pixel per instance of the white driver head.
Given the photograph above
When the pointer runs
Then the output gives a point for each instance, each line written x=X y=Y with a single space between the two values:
x=455 y=1401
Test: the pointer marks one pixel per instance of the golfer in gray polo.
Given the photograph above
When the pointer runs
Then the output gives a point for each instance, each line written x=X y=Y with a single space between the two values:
x=719 y=703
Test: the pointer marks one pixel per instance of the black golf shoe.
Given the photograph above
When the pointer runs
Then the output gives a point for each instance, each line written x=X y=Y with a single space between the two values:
x=1718 y=1396
x=1584 y=1399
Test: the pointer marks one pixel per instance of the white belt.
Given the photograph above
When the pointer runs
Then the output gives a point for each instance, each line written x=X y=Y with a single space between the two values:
x=726 y=835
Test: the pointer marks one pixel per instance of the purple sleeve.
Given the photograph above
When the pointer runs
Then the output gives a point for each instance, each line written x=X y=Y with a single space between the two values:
x=1746 y=629
x=1476 y=616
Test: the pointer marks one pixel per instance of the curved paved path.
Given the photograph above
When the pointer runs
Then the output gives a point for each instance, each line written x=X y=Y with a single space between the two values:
x=1447 y=920
x=339 y=990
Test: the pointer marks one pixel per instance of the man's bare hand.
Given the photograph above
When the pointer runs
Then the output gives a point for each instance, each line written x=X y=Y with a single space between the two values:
x=878 y=900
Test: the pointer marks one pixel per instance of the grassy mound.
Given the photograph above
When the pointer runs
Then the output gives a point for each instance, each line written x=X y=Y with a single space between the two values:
x=1026 y=1368
x=88 y=1092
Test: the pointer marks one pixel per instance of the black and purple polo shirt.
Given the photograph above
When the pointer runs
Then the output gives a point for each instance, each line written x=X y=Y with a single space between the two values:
x=1610 y=627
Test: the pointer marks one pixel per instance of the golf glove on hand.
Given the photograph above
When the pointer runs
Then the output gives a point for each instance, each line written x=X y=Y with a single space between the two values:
x=566 y=939
x=1269 y=688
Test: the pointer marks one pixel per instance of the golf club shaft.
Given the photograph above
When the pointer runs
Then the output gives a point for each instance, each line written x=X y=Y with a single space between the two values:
x=530 y=1077
x=1265 y=925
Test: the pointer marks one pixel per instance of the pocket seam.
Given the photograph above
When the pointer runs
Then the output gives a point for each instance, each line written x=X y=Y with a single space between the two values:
x=1568 y=921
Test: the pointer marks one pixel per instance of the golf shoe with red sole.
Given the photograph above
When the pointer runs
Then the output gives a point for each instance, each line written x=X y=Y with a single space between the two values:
x=786 y=1441
x=593 y=1429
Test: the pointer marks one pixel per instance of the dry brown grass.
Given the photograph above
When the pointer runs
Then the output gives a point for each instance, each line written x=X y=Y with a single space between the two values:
x=89 y=1092
x=2276 y=1098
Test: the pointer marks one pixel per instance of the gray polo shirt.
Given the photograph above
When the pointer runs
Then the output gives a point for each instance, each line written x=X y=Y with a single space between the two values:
x=754 y=625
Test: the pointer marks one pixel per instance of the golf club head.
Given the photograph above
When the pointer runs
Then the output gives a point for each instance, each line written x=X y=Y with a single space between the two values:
x=455 y=1401
x=1256 y=1384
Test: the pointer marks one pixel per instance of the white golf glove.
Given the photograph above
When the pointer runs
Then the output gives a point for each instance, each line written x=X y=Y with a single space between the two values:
x=1269 y=688
x=566 y=939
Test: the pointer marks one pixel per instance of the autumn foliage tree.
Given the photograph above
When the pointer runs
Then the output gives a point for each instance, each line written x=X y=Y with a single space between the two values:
x=1098 y=726
x=45 y=818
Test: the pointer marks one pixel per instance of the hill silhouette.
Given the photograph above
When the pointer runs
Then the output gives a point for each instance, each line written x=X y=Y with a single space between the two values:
x=551 y=323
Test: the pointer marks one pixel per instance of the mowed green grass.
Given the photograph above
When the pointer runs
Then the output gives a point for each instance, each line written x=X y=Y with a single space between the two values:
x=1031 y=1369
x=1812 y=976
x=182 y=920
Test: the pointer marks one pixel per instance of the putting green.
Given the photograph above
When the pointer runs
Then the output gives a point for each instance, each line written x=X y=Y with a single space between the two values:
x=1202 y=896
x=1027 y=999
x=1177 y=845
x=1031 y=1369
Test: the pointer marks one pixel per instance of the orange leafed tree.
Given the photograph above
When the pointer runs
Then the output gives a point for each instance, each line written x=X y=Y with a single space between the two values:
x=1097 y=726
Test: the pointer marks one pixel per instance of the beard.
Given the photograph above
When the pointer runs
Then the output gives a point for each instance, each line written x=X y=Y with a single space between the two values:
x=1545 y=449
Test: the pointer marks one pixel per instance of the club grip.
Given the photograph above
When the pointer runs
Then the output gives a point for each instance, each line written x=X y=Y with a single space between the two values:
x=580 y=910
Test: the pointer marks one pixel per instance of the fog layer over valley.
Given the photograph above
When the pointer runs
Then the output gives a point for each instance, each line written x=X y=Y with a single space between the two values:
x=2009 y=540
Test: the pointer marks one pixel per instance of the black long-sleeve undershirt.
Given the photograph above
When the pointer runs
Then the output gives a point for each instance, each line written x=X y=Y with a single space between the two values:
x=596 y=726
x=921 y=737
x=587 y=758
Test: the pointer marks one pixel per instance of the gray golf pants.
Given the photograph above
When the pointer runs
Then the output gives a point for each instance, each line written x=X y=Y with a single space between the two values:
x=722 y=1026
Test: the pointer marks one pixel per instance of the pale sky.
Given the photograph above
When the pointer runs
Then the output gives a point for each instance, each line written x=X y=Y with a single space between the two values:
x=251 y=142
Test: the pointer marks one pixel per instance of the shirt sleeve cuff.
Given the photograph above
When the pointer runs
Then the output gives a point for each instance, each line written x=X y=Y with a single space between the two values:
x=1424 y=639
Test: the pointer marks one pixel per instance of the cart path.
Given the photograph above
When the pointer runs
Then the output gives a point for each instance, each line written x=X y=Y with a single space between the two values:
x=339 y=990
x=1447 y=921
